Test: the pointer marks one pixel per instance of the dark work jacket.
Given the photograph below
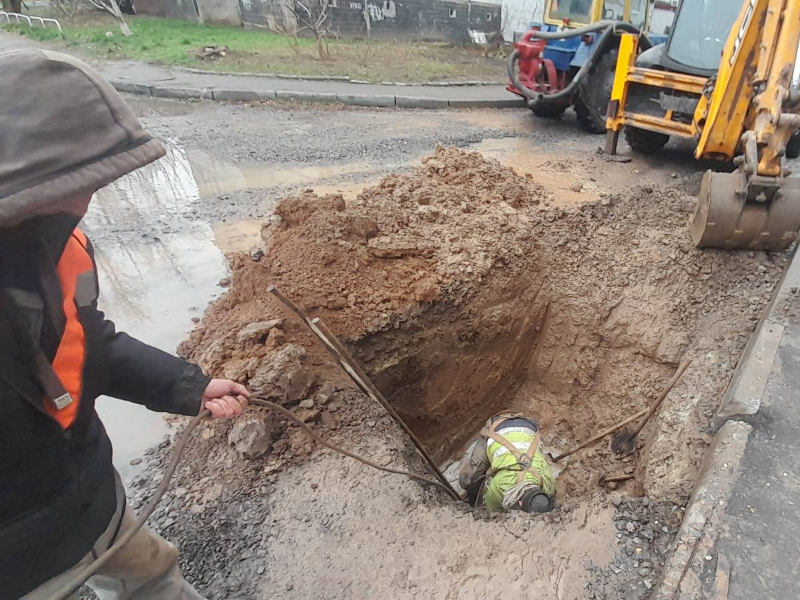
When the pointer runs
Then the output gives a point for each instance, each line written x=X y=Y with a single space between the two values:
x=57 y=486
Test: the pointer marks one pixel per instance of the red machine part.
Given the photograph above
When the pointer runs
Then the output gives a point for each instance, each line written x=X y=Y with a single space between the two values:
x=536 y=72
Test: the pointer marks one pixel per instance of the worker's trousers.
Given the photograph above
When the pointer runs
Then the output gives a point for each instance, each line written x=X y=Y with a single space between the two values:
x=146 y=568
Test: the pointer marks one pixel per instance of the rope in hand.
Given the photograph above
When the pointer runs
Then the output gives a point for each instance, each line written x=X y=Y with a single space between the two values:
x=85 y=574
x=322 y=442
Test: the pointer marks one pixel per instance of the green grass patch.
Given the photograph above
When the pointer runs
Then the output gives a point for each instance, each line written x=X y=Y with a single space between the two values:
x=157 y=40
x=174 y=42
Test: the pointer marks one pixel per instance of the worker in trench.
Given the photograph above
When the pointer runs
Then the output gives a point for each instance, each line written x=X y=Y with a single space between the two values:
x=506 y=469
x=66 y=133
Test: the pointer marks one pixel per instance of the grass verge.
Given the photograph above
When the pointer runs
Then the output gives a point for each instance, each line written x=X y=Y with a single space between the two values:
x=173 y=42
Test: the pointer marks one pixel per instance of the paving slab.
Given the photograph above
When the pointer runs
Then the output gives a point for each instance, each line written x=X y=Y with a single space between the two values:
x=417 y=102
x=241 y=95
x=306 y=96
x=180 y=93
x=366 y=100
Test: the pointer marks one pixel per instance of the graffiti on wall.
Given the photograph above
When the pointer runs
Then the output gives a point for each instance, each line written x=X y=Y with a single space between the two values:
x=386 y=10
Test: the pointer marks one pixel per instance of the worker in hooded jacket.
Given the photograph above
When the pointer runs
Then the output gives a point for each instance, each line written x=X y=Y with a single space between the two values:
x=65 y=133
x=506 y=470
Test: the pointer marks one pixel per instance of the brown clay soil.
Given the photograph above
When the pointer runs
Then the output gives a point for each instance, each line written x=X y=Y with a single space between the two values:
x=462 y=288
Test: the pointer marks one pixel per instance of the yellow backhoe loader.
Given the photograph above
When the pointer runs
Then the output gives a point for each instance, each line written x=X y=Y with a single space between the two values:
x=724 y=80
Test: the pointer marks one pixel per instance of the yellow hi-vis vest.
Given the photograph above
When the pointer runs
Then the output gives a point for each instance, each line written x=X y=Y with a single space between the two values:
x=507 y=471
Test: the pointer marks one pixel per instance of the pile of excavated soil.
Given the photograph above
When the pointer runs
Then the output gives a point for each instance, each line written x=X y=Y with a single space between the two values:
x=462 y=288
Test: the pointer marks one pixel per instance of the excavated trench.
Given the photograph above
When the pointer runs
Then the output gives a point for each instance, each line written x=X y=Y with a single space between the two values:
x=465 y=288
x=529 y=342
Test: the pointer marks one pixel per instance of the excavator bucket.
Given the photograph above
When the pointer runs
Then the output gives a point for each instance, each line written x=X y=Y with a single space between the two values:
x=725 y=219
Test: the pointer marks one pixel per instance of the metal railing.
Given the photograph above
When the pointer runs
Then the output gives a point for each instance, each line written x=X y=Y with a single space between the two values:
x=30 y=19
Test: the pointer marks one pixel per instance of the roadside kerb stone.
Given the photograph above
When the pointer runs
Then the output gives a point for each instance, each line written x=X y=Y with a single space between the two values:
x=488 y=103
x=181 y=93
x=704 y=513
x=743 y=396
x=323 y=97
x=356 y=100
x=132 y=88
x=243 y=95
x=343 y=78
x=312 y=77
x=339 y=78
x=413 y=102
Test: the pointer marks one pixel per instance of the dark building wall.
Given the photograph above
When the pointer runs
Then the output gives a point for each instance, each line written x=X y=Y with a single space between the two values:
x=222 y=12
x=258 y=12
x=172 y=9
x=404 y=19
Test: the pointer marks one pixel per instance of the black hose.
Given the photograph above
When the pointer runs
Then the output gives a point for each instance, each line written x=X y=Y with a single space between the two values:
x=570 y=33
x=608 y=28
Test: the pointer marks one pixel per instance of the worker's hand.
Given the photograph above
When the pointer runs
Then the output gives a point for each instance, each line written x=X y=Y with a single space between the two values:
x=224 y=398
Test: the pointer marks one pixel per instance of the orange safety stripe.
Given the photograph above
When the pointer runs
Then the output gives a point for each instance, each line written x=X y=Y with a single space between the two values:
x=71 y=353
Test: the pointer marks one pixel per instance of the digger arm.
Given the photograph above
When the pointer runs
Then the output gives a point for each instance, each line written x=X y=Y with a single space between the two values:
x=752 y=88
x=747 y=112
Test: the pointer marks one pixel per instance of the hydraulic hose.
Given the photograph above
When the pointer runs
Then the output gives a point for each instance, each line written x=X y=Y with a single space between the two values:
x=85 y=574
x=607 y=27
x=570 y=33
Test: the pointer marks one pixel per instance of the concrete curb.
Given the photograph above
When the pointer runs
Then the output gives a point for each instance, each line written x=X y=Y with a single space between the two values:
x=743 y=396
x=243 y=95
x=339 y=78
x=714 y=488
x=706 y=508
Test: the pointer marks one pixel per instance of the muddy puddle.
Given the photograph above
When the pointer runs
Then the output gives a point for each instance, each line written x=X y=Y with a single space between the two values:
x=152 y=281
x=159 y=264
x=215 y=177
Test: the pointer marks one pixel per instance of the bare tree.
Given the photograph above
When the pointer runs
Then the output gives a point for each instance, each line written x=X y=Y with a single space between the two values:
x=286 y=26
x=68 y=7
x=313 y=15
x=112 y=6
x=302 y=15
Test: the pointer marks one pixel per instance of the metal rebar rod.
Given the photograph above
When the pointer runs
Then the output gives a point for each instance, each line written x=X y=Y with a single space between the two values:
x=351 y=367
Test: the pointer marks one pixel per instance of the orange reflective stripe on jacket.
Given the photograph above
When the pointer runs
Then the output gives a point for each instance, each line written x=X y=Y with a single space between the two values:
x=71 y=353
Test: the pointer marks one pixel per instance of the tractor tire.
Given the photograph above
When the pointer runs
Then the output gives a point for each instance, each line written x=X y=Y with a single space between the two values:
x=594 y=94
x=549 y=111
x=644 y=141
x=793 y=146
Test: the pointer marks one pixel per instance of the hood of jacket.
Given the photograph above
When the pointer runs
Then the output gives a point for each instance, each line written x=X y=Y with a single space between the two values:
x=65 y=133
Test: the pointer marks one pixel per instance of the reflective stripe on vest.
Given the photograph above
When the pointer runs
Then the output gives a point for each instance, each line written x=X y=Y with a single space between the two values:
x=71 y=353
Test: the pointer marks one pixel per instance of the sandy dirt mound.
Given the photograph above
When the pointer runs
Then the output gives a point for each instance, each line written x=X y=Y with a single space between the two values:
x=463 y=288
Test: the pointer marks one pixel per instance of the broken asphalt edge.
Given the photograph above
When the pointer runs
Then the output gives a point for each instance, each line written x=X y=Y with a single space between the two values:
x=706 y=508
x=243 y=95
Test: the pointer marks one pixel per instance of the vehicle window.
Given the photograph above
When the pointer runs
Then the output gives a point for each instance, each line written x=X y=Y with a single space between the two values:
x=700 y=32
x=638 y=13
x=614 y=10
x=577 y=11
